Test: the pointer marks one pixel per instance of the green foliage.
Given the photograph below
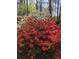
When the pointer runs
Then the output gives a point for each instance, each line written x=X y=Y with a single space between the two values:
x=22 y=10
x=32 y=9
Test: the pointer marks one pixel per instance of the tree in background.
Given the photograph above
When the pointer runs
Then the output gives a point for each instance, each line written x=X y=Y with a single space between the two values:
x=25 y=8
x=36 y=4
x=50 y=7
x=40 y=5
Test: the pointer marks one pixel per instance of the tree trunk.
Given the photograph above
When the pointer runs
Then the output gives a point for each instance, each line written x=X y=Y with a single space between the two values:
x=36 y=4
x=57 y=9
x=40 y=5
x=27 y=7
x=50 y=7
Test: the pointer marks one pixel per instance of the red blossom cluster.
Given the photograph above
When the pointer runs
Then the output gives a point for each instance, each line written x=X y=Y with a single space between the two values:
x=42 y=33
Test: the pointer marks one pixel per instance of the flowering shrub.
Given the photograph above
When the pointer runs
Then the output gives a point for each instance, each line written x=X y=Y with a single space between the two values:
x=39 y=35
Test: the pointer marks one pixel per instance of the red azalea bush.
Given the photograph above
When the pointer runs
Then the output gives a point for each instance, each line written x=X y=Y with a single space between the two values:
x=44 y=34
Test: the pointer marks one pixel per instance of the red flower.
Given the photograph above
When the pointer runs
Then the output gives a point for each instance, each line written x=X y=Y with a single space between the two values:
x=21 y=40
x=41 y=33
x=44 y=49
x=20 y=44
x=31 y=45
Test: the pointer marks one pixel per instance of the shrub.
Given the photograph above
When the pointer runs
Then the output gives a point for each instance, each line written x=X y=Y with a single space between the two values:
x=39 y=36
